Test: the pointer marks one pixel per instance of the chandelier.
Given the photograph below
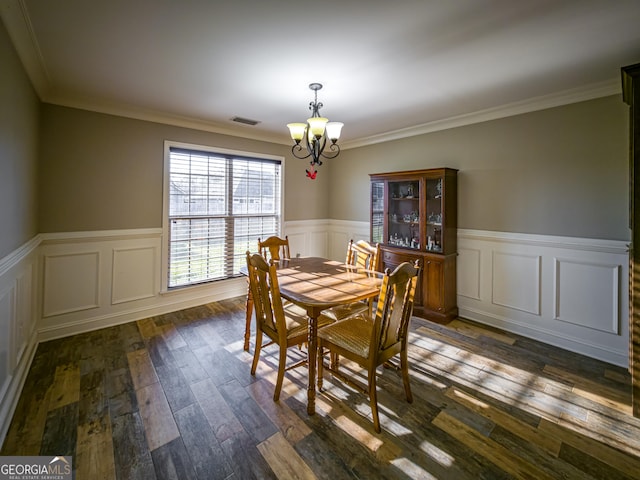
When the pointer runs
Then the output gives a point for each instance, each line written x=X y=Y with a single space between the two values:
x=314 y=133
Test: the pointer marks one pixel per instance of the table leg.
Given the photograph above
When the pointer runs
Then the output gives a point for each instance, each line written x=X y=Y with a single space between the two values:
x=247 y=327
x=311 y=360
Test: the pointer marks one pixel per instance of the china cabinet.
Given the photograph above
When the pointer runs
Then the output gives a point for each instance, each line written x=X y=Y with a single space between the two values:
x=414 y=217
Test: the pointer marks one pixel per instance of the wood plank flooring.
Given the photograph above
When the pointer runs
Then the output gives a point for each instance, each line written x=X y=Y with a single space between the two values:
x=171 y=397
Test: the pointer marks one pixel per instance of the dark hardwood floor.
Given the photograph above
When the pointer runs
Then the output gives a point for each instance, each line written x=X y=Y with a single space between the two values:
x=172 y=397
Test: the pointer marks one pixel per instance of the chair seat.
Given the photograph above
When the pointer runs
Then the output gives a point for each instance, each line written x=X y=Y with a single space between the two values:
x=293 y=309
x=296 y=321
x=352 y=334
x=340 y=312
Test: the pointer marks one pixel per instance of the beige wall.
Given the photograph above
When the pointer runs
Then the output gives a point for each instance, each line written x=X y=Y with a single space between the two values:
x=19 y=111
x=561 y=171
x=103 y=172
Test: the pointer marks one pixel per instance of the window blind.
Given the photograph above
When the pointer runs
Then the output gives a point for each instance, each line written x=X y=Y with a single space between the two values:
x=219 y=205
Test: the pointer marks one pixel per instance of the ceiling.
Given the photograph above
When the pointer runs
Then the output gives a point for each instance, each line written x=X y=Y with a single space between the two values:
x=389 y=68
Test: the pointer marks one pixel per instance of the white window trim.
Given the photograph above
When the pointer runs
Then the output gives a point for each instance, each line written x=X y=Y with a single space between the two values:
x=168 y=144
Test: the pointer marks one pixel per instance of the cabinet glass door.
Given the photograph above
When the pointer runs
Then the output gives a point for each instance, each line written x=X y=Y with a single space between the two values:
x=377 y=212
x=404 y=214
x=434 y=215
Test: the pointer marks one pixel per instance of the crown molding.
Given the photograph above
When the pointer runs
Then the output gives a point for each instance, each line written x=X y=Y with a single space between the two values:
x=129 y=111
x=565 y=97
x=16 y=20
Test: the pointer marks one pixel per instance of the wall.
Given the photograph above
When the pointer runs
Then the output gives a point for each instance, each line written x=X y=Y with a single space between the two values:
x=19 y=117
x=103 y=172
x=561 y=171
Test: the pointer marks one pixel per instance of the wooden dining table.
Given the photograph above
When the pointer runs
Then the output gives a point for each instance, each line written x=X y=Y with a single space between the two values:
x=315 y=284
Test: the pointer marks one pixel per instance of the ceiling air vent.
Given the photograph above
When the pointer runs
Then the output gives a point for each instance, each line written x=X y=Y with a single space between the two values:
x=246 y=121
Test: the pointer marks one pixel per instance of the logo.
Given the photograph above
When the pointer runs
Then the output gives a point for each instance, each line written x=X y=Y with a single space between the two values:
x=36 y=468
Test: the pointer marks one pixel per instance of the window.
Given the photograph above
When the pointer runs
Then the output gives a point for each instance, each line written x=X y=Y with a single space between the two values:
x=218 y=204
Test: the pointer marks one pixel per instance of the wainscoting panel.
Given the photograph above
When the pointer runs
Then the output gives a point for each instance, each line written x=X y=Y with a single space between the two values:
x=92 y=280
x=298 y=243
x=318 y=242
x=516 y=281
x=134 y=275
x=25 y=319
x=339 y=239
x=71 y=282
x=341 y=233
x=18 y=316
x=7 y=318
x=573 y=279
x=568 y=292
x=324 y=238
x=307 y=238
x=469 y=261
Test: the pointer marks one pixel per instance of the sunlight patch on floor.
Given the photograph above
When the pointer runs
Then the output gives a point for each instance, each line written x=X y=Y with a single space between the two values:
x=411 y=469
x=440 y=456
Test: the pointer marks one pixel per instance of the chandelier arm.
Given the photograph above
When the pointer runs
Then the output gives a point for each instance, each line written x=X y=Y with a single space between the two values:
x=335 y=151
x=298 y=148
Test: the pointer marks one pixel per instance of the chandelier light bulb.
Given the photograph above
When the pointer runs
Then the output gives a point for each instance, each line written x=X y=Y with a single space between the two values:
x=297 y=131
x=333 y=131
x=317 y=125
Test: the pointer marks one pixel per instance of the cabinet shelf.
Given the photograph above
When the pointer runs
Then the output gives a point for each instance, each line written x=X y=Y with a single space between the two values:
x=400 y=222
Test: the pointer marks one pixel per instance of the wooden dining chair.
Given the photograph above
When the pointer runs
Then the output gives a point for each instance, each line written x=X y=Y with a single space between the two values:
x=283 y=324
x=360 y=254
x=274 y=247
x=372 y=341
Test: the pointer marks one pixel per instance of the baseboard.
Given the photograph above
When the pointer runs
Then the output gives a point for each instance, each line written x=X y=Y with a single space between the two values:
x=572 y=344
